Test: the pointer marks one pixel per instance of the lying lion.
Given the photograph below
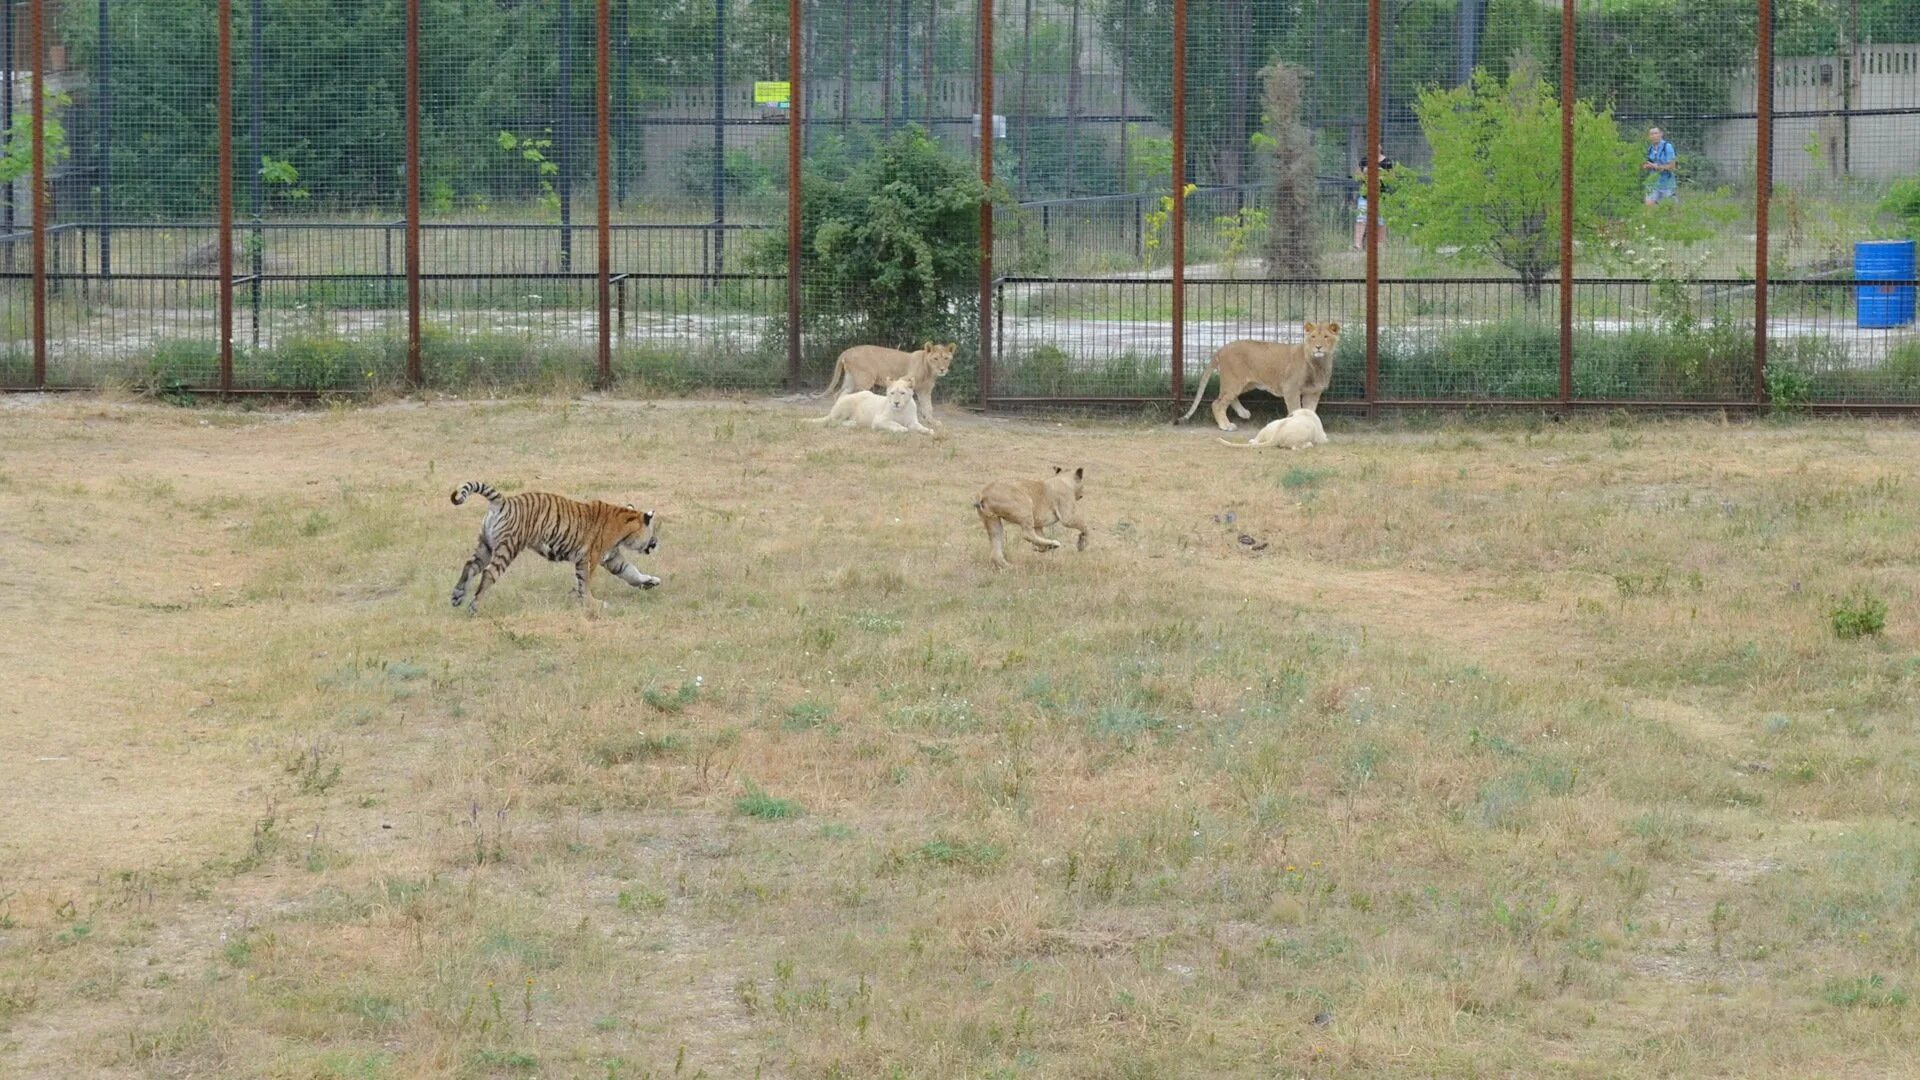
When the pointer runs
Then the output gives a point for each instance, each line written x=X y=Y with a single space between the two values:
x=1032 y=505
x=866 y=409
x=1298 y=430
x=1297 y=372
x=865 y=366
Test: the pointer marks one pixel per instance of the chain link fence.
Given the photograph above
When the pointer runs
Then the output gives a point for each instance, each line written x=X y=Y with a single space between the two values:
x=1526 y=201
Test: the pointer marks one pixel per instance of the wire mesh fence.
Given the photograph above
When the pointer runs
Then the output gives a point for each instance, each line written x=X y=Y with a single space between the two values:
x=1497 y=200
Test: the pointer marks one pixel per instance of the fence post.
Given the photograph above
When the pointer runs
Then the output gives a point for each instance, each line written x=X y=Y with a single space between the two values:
x=1177 y=364
x=223 y=60
x=1763 y=194
x=415 y=374
x=36 y=44
x=986 y=206
x=1373 y=202
x=256 y=195
x=796 y=103
x=1566 y=202
x=103 y=93
x=602 y=106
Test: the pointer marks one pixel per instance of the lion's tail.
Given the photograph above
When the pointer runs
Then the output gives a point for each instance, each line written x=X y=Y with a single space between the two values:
x=1249 y=444
x=839 y=368
x=1200 y=390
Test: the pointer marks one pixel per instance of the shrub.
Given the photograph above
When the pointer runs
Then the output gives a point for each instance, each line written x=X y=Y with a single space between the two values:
x=890 y=244
x=1857 y=615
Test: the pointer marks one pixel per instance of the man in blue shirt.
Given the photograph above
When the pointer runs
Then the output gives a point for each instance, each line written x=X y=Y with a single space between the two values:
x=1661 y=182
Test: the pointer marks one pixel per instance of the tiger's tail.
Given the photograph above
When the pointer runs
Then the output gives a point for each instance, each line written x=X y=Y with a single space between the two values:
x=477 y=487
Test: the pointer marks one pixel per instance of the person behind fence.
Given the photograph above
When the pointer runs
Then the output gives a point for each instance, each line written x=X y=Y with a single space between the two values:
x=1661 y=182
x=1360 y=213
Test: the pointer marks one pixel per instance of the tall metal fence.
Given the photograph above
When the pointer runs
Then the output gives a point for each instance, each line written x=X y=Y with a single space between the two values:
x=1500 y=201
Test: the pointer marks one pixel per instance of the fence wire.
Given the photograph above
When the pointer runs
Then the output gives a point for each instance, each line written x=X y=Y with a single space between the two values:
x=1697 y=271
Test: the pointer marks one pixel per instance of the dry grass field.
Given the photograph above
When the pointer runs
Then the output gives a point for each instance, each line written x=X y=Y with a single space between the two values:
x=1541 y=749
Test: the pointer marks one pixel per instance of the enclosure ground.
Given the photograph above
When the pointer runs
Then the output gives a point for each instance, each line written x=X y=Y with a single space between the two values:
x=1433 y=751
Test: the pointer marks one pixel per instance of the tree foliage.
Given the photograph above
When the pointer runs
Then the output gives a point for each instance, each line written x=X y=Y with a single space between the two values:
x=333 y=90
x=1494 y=186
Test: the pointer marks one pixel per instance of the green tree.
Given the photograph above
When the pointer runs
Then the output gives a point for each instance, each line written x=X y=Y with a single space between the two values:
x=890 y=243
x=1494 y=186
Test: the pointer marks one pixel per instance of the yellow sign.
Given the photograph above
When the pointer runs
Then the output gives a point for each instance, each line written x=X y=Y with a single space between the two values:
x=772 y=93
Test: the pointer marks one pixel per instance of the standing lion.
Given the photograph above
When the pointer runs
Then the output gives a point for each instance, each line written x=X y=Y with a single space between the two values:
x=1298 y=373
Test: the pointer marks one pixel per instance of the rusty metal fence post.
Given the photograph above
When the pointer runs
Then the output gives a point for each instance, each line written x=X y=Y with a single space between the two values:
x=1763 y=193
x=415 y=365
x=986 y=206
x=223 y=59
x=1566 y=202
x=36 y=45
x=603 y=106
x=1177 y=364
x=796 y=103
x=1373 y=202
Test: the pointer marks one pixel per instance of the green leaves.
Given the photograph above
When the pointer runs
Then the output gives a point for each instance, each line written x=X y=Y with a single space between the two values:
x=1494 y=187
x=890 y=242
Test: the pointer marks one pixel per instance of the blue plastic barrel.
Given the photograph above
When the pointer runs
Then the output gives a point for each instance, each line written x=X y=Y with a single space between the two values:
x=1881 y=306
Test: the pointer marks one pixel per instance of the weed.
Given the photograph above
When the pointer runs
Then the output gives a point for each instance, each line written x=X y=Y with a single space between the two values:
x=314 y=768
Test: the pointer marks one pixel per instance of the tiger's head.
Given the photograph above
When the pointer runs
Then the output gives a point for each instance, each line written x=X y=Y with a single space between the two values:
x=637 y=530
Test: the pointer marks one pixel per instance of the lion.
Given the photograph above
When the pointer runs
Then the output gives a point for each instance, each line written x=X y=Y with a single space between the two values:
x=1032 y=505
x=865 y=366
x=865 y=409
x=1298 y=373
x=1298 y=430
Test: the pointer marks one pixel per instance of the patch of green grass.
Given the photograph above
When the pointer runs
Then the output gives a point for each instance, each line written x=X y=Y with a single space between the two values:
x=1870 y=992
x=626 y=748
x=805 y=716
x=675 y=700
x=1299 y=476
x=758 y=804
x=963 y=854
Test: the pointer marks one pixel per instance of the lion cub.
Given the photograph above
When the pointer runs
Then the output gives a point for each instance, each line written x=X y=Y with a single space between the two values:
x=1298 y=430
x=1297 y=372
x=866 y=409
x=1032 y=505
x=865 y=366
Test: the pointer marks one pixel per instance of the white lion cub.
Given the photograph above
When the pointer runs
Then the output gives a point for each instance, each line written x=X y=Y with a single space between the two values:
x=1298 y=430
x=895 y=411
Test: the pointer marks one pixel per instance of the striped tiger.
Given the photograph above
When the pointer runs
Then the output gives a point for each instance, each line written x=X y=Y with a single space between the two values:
x=587 y=534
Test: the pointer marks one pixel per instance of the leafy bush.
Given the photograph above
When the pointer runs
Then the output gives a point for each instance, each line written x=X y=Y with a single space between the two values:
x=1857 y=615
x=1903 y=202
x=890 y=244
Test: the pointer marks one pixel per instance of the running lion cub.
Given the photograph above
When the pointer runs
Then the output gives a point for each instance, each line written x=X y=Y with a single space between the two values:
x=865 y=366
x=1298 y=430
x=866 y=409
x=1298 y=372
x=1032 y=505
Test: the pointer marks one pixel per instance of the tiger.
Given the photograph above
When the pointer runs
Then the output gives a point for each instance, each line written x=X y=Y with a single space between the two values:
x=587 y=534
